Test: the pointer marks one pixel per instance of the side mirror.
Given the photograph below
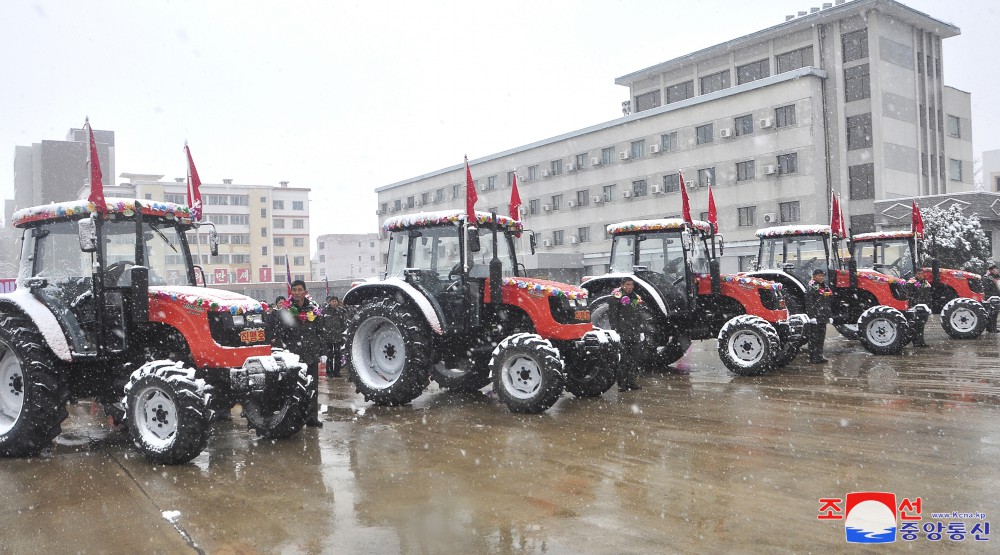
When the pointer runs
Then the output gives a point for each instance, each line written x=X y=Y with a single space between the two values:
x=532 y=242
x=88 y=235
x=139 y=305
x=722 y=244
x=473 y=236
x=213 y=242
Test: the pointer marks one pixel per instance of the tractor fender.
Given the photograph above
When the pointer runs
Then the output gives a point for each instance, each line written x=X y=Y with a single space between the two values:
x=610 y=281
x=43 y=318
x=398 y=285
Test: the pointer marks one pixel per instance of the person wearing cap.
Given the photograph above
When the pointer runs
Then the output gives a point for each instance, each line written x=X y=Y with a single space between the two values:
x=624 y=313
x=818 y=297
x=991 y=288
x=920 y=293
x=300 y=323
x=334 y=323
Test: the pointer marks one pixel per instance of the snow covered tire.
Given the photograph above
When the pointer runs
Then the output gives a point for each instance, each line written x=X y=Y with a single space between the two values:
x=388 y=352
x=964 y=318
x=167 y=412
x=590 y=375
x=748 y=345
x=282 y=410
x=665 y=355
x=883 y=330
x=527 y=373
x=32 y=393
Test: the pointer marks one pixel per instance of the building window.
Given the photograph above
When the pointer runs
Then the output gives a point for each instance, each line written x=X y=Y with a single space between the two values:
x=862 y=223
x=743 y=125
x=176 y=198
x=532 y=173
x=510 y=178
x=425 y=199
x=705 y=133
x=298 y=205
x=954 y=126
x=556 y=202
x=752 y=71
x=279 y=241
x=715 y=82
x=298 y=260
x=410 y=201
x=263 y=232
x=857 y=83
x=859 y=131
x=263 y=250
x=581 y=161
x=647 y=101
x=680 y=91
x=706 y=176
x=747 y=216
x=668 y=141
x=385 y=209
x=639 y=188
x=788 y=163
x=583 y=197
x=955 y=169
x=533 y=206
x=609 y=193
x=491 y=183
x=855 y=45
x=322 y=245
x=789 y=211
x=557 y=237
x=583 y=234
x=263 y=211
x=239 y=219
x=298 y=242
x=794 y=60
x=862 y=179
x=279 y=224
x=279 y=260
x=745 y=171
x=608 y=156
x=278 y=205
x=747 y=262
x=557 y=167
x=638 y=149
x=671 y=183
x=298 y=224
x=784 y=116
x=456 y=192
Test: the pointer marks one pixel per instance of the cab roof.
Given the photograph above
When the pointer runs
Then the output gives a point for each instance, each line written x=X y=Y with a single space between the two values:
x=446 y=217
x=80 y=209
x=883 y=235
x=791 y=230
x=663 y=224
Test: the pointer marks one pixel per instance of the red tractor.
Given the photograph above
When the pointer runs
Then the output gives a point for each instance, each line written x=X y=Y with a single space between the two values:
x=867 y=305
x=675 y=268
x=958 y=295
x=454 y=306
x=106 y=307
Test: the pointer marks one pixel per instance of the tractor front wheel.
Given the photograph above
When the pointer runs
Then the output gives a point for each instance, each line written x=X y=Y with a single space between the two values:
x=964 y=318
x=527 y=373
x=167 y=412
x=748 y=345
x=883 y=330
x=590 y=374
x=282 y=409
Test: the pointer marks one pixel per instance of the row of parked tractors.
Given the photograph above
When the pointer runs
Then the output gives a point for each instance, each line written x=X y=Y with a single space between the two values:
x=107 y=307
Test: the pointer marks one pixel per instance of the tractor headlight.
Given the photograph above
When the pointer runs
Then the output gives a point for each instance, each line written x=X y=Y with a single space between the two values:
x=255 y=319
x=238 y=320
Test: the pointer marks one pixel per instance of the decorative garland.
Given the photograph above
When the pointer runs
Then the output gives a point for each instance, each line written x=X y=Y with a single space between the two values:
x=745 y=282
x=625 y=299
x=545 y=289
x=232 y=307
x=794 y=230
x=83 y=208
x=822 y=288
x=666 y=224
x=310 y=313
x=880 y=278
x=918 y=284
x=444 y=217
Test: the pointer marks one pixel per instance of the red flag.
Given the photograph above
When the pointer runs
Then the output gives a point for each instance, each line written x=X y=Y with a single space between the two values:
x=713 y=215
x=685 y=202
x=194 y=187
x=917 y=221
x=288 y=277
x=96 y=177
x=515 y=201
x=470 y=194
x=836 y=218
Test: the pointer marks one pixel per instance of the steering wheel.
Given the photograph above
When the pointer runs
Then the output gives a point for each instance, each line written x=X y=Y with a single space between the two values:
x=115 y=271
x=456 y=271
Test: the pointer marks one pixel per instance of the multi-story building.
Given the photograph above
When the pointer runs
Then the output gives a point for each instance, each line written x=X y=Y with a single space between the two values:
x=846 y=100
x=347 y=256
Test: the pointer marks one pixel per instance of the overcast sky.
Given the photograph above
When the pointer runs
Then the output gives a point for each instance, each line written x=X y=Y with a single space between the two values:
x=344 y=97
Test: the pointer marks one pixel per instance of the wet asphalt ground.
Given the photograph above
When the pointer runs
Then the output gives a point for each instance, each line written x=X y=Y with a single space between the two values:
x=699 y=460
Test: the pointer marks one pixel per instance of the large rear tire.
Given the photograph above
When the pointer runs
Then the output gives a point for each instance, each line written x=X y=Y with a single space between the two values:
x=32 y=393
x=665 y=355
x=883 y=330
x=592 y=375
x=527 y=373
x=388 y=352
x=748 y=345
x=167 y=412
x=282 y=409
x=964 y=318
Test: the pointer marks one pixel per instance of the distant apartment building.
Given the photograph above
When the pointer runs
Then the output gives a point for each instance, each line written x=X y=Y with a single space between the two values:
x=847 y=100
x=347 y=256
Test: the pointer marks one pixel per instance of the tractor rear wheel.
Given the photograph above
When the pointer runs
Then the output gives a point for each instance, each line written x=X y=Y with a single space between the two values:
x=167 y=412
x=883 y=330
x=32 y=394
x=748 y=345
x=282 y=409
x=465 y=372
x=849 y=331
x=388 y=352
x=964 y=318
x=527 y=373
x=674 y=350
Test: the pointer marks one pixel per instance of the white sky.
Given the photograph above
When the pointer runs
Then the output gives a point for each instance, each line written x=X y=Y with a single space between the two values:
x=344 y=97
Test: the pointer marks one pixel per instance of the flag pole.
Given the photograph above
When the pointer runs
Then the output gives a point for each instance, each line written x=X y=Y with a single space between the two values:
x=197 y=229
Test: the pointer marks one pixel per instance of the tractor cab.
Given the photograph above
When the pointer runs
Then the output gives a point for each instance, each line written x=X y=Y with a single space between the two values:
x=889 y=252
x=797 y=251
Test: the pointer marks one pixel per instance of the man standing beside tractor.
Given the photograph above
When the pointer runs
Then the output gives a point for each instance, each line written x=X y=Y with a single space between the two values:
x=818 y=295
x=626 y=319
x=300 y=329
x=991 y=288
x=920 y=293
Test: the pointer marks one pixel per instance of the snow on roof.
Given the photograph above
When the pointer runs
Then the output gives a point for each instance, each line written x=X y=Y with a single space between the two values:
x=664 y=224
x=785 y=230
x=79 y=209
x=446 y=217
x=882 y=235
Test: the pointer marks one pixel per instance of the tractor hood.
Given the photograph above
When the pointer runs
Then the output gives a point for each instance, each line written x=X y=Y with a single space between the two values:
x=215 y=300
x=957 y=274
x=545 y=288
x=878 y=277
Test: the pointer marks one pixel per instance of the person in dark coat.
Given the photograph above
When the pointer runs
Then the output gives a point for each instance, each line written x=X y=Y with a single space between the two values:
x=334 y=322
x=818 y=298
x=991 y=288
x=919 y=290
x=626 y=318
x=272 y=327
x=301 y=331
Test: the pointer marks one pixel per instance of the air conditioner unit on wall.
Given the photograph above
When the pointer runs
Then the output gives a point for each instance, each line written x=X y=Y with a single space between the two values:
x=546 y=243
x=657 y=189
x=595 y=161
x=570 y=167
x=725 y=132
x=378 y=212
x=769 y=169
x=653 y=149
x=546 y=173
x=597 y=199
x=482 y=187
x=766 y=122
x=623 y=155
x=416 y=204
x=571 y=203
x=770 y=218
x=627 y=194
x=572 y=239
x=546 y=207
